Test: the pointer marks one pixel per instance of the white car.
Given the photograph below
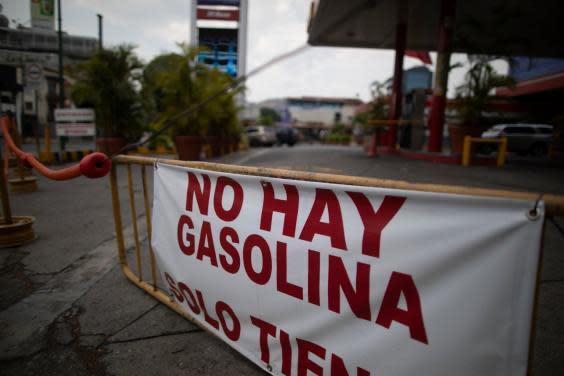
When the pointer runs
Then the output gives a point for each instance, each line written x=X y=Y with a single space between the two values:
x=261 y=135
x=531 y=139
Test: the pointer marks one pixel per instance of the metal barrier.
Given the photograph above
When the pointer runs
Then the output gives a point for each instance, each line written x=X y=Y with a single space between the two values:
x=554 y=205
x=151 y=287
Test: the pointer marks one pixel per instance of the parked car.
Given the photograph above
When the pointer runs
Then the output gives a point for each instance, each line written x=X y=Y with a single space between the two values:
x=523 y=139
x=286 y=135
x=261 y=135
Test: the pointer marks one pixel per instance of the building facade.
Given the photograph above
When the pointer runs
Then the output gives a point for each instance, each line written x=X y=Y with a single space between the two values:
x=322 y=111
x=29 y=57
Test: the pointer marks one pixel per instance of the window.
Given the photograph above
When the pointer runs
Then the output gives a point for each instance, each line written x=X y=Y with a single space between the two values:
x=527 y=130
x=519 y=130
x=544 y=130
x=511 y=130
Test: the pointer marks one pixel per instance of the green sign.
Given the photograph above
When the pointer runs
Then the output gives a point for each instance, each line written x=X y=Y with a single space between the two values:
x=43 y=14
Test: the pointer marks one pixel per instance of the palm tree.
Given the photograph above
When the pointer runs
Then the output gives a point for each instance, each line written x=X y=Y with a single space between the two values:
x=108 y=82
x=174 y=82
x=475 y=93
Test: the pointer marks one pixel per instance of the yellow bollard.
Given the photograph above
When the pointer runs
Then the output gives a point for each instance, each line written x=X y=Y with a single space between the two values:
x=501 y=152
x=46 y=156
x=466 y=151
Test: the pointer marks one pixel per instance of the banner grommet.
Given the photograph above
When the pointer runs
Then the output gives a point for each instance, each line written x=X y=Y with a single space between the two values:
x=534 y=213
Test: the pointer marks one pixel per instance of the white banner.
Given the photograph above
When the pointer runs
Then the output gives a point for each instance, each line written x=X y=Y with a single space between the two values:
x=344 y=280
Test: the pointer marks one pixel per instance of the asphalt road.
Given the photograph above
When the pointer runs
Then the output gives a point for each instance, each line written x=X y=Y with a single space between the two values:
x=66 y=309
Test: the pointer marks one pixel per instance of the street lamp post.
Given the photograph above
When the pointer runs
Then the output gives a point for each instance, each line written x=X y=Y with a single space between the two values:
x=61 y=78
x=62 y=140
x=100 y=19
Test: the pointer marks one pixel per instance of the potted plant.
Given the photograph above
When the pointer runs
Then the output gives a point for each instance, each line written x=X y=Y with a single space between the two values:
x=473 y=98
x=107 y=82
x=174 y=82
x=221 y=113
x=346 y=139
x=376 y=109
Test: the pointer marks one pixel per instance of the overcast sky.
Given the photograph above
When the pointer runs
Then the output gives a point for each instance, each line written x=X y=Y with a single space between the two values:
x=275 y=26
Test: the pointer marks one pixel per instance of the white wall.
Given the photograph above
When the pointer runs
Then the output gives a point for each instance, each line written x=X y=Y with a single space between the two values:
x=322 y=114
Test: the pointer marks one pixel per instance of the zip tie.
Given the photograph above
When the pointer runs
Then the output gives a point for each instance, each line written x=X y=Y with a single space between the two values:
x=534 y=213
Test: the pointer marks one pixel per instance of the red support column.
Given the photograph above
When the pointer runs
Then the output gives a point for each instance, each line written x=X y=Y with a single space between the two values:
x=397 y=95
x=438 y=103
x=390 y=138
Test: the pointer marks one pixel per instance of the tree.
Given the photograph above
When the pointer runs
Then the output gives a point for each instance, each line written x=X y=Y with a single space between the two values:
x=152 y=91
x=269 y=116
x=475 y=93
x=107 y=82
x=174 y=82
x=378 y=107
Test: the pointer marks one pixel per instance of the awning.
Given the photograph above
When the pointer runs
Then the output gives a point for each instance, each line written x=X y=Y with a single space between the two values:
x=534 y=86
x=491 y=27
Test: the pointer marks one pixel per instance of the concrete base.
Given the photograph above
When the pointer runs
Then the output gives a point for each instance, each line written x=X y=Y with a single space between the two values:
x=17 y=233
x=22 y=185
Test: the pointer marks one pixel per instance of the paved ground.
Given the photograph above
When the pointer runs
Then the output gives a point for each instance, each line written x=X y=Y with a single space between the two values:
x=66 y=309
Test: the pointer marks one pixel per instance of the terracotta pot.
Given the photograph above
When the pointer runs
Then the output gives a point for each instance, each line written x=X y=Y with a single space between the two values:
x=110 y=145
x=215 y=146
x=188 y=147
x=458 y=132
x=225 y=146
x=235 y=145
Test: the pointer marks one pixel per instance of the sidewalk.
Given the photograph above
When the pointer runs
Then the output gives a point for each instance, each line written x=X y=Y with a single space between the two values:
x=66 y=309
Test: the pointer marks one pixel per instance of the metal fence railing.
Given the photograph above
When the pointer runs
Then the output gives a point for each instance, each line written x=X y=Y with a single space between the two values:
x=147 y=277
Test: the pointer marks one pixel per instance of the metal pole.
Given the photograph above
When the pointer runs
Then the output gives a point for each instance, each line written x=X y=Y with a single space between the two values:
x=438 y=103
x=100 y=30
x=36 y=128
x=6 y=209
x=61 y=78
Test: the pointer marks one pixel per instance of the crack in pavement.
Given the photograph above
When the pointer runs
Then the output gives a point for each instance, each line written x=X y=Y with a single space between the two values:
x=175 y=333
x=134 y=320
x=24 y=324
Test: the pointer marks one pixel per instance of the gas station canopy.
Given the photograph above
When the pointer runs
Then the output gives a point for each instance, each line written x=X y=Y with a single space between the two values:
x=489 y=27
